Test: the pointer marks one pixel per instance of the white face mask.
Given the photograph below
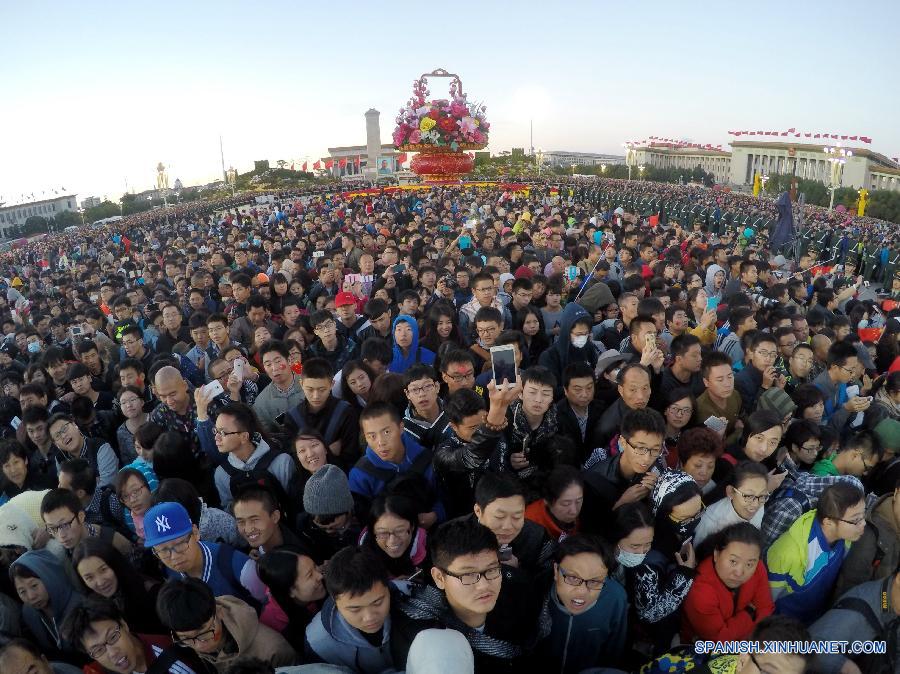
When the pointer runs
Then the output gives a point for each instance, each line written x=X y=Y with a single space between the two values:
x=579 y=342
x=629 y=559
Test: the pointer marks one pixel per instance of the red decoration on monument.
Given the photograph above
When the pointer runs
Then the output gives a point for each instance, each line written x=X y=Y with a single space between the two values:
x=440 y=130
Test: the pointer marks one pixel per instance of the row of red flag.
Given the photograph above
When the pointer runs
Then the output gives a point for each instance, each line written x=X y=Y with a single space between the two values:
x=671 y=142
x=797 y=134
x=329 y=162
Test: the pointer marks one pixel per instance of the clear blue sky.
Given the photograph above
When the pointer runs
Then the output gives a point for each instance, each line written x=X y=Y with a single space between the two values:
x=95 y=93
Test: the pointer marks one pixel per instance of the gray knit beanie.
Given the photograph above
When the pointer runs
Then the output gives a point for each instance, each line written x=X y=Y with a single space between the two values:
x=327 y=492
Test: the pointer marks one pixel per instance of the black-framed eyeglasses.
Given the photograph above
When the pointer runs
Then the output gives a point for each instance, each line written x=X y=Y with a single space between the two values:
x=853 y=523
x=576 y=581
x=174 y=549
x=54 y=529
x=97 y=651
x=752 y=498
x=204 y=636
x=473 y=577
x=220 y=433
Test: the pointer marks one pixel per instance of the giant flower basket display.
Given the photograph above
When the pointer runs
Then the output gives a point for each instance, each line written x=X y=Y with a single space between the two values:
x=440 y=131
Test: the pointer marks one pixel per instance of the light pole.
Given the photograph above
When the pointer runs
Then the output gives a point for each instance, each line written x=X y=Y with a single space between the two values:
x=837 y=156
x=764 y=178
x=630 y=156
x=81 y=213
x=603 y=169
x=573 y=170
x=540 y=160
x=641 y=171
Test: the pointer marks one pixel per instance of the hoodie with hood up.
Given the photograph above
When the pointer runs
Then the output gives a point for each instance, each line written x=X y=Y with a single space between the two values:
x=563 y=352
x=330 y=638
x=417 y=354
x=61 y=596
x=252 y=639
x=710 y=285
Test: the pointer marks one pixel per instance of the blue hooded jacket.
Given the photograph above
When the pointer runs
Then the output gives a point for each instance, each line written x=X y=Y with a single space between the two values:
x=370 y=486
x=417 y=354
x=330 y=638
x=63 y=598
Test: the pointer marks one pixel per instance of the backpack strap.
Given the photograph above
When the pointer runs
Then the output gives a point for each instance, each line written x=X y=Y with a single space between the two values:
x=421 y=463
x=382 y=474
x=298 y=417
x=337 y=417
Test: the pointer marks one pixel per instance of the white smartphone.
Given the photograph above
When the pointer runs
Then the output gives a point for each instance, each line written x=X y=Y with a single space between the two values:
x=318 y=253
x=503 y=364
x=239 y=367
x=213 y=388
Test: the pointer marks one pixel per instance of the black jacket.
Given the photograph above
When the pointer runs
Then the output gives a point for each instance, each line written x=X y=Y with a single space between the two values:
x=458 y=466
x=568 y=426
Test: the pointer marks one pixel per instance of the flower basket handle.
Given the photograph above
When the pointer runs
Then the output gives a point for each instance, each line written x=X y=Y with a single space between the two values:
x=455 y=83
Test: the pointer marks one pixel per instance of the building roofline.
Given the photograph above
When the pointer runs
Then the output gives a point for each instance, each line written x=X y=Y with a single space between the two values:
x=27 y=204
x=345 y=148
x=817 y=147
x=684 y=151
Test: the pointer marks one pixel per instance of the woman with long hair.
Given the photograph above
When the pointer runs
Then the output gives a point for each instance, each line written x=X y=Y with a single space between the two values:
x=888 y=347
x=296 y=590
x=392 y=532
x=105 y=572
x=441 y=325
x=530 y=322
x=278 y=291
x=356 y=383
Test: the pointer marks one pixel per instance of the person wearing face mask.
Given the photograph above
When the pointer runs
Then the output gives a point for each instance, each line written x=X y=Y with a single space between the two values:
x=572 y=345
x=657 y=584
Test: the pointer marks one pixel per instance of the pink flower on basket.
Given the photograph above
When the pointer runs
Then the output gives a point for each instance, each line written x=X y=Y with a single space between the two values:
x=415 y=136
x=468 y=125
x=459 y=110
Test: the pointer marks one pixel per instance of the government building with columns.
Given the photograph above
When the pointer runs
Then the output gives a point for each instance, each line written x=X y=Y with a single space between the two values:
x=663 y=156
x=864 y=168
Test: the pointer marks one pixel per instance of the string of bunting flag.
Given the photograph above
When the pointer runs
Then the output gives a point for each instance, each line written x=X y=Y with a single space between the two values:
x=658 y=141
x=792 y=132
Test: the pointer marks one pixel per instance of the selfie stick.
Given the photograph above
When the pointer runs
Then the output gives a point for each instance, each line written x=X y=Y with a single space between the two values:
x=587 y=278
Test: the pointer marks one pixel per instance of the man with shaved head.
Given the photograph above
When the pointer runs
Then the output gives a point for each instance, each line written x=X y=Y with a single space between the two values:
x=176 y=410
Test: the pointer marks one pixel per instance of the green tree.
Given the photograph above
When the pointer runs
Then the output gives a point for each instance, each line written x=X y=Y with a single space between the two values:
x=35 y=225
x=66 y=219
x=106 y=209
x=884 y=204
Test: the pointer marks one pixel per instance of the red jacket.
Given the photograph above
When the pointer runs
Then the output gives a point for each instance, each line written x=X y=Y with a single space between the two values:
x=709 y=611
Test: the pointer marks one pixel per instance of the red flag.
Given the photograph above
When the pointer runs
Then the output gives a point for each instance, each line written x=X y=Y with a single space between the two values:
x=317 y=165
x=843 y=137
x=753 y=133
x=853 y=137
x=834 y=135
x=304 y=167
x=792 y=130
x=358 y=160
x=329 y=164
x=401 y=159
x=818 y=135
x=865 y=139
x=807 y=134
x=784 y=133
x=342 y=162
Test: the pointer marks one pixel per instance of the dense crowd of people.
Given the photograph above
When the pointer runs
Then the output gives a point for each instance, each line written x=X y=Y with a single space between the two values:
x=573 y=427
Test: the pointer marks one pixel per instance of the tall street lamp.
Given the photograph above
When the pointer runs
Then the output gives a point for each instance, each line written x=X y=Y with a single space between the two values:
x=641 y=171
x=630 y=156
x=837 y=156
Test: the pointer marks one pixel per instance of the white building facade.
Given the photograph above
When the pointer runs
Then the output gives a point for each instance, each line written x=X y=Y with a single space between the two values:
x=567 y=159
x=865 y=168
x=715 y=162
x=17 y=214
